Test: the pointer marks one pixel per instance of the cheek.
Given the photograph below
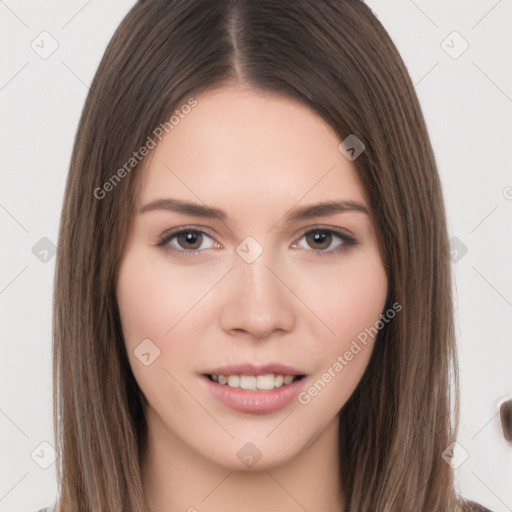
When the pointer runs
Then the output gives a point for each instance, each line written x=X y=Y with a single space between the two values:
x=349 y=299
x=140 y=298
x=154 y=296
x=361 y=298
x=154 y=301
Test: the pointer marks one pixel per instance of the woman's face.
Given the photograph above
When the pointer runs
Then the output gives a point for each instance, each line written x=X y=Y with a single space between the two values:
x=258 y=289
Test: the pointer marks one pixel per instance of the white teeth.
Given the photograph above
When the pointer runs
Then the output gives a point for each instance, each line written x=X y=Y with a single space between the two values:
x=265 y=381
x=254 y=382
x=234 y=381
x=248 y=382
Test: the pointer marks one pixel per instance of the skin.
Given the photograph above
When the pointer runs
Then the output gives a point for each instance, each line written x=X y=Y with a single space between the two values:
x=256 y=156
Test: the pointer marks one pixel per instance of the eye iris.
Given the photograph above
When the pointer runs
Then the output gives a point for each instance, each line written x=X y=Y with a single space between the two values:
x=319 y=236
x=190 y=236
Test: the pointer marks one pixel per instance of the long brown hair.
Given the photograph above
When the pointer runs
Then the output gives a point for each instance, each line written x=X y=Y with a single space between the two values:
x=335 y=57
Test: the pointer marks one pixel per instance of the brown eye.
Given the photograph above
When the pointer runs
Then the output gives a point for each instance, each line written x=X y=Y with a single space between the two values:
x=320 y=239
x=326 y=242
x=186 y=241
x=189 y=239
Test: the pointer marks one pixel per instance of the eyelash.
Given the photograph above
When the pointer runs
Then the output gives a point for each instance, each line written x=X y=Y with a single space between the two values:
x=347 y=240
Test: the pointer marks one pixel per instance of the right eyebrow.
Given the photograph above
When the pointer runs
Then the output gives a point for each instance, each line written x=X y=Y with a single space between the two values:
x=186 y=207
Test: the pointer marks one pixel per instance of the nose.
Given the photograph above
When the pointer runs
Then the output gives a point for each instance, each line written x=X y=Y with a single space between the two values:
x=257 y=298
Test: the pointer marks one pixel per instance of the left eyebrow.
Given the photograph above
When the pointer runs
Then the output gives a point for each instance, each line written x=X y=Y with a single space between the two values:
x=306 y=212
x=325 y=208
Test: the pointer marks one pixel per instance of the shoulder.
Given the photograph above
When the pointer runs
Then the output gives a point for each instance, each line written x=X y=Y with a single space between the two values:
x=473 y=506
x=47 y=509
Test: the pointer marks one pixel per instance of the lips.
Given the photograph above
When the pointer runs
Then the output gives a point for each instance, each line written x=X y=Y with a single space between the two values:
x=255 y=369
x=253 y=388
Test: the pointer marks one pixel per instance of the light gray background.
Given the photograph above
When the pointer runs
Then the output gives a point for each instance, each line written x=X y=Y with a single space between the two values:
x=467 y=102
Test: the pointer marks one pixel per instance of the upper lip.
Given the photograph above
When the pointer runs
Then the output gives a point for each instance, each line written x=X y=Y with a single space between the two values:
x=254 y=369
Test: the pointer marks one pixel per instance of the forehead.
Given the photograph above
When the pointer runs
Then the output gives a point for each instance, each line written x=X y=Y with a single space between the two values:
x=253 y=146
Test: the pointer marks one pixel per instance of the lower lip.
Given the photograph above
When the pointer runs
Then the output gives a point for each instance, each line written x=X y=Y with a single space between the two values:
x=255 y=402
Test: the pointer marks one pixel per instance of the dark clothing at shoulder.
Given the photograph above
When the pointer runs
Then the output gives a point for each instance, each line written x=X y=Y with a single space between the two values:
x=473 y=506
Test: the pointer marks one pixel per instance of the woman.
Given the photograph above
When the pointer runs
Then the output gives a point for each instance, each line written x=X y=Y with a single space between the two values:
x=252 y=294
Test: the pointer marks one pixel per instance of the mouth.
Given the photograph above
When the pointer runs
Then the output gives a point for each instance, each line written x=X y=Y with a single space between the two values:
x=255 y=389
x=264 y=382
